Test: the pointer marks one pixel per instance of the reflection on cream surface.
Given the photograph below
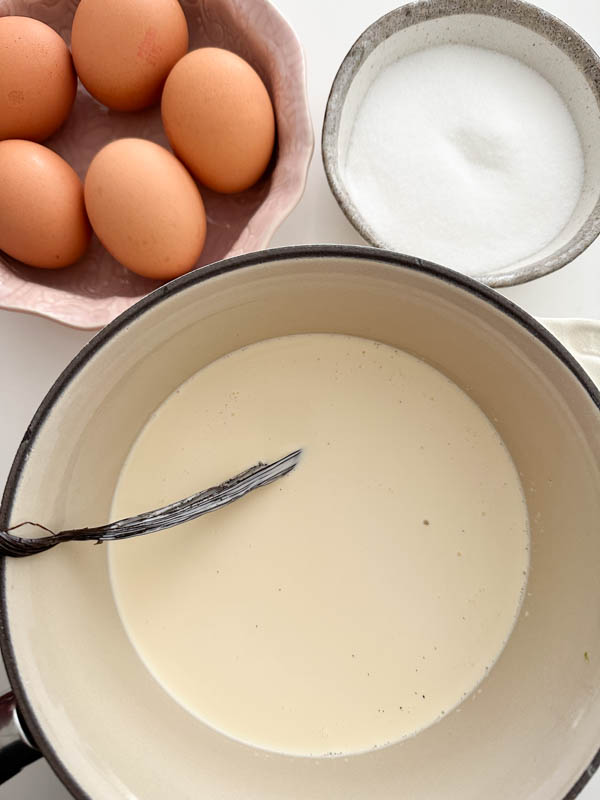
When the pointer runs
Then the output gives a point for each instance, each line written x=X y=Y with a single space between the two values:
x=355 y=601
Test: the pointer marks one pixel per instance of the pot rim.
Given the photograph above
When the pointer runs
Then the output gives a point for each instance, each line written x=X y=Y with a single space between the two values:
x=103 y=337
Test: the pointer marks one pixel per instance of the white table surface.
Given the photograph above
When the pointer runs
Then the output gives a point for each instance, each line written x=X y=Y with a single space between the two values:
x=33 y=351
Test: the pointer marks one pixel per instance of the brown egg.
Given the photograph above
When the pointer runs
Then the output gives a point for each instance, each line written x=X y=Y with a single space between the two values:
x=37 y=80
x=42 y=216
x=123 y=49
x=145 y=208
x=219 y=119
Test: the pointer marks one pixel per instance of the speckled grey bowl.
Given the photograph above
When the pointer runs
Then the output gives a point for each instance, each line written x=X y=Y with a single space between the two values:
x=517 y=29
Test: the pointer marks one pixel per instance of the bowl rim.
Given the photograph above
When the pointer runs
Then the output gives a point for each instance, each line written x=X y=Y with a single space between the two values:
x=530 y=16
x=149 y=302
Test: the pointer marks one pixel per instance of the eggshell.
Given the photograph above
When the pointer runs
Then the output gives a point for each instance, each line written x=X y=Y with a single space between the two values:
x=123 y=49
x=42 y=216
x=218 y=117
x=37 y=80
x=145 y=208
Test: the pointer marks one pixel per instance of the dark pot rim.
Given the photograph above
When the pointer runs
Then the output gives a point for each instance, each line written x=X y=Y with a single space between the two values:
x=181 y=284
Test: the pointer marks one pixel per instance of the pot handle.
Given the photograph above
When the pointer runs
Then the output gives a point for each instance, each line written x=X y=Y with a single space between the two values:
x=582 y=338
x=16 y=748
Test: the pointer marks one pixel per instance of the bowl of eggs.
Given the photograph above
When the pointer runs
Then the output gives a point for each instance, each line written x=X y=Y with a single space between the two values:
x=141 y=139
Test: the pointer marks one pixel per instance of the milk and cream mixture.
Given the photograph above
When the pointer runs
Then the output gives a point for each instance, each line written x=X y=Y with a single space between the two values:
x=356 y=600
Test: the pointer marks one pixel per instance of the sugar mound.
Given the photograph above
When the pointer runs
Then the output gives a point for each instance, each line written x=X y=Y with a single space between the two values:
x=464 y=156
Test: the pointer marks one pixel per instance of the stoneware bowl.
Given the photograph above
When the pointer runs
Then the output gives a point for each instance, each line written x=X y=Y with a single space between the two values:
x=92 y=292
x=517 y=29
x=532 y=729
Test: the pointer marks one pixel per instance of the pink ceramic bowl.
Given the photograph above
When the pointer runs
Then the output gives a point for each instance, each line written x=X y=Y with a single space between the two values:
x=92 y=292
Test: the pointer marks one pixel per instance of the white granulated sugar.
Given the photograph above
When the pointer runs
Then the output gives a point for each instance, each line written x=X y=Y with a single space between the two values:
x=464 y=156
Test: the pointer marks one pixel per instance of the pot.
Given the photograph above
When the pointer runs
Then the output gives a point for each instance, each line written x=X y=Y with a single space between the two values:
x=84 y=698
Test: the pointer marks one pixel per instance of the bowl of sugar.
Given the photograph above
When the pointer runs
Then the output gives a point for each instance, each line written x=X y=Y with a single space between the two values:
x=464 y=132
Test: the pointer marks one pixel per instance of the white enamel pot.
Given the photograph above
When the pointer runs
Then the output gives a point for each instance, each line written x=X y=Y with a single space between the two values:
x=88 y=704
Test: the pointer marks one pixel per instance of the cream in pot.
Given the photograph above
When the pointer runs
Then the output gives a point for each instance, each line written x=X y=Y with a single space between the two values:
x=357 y=601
